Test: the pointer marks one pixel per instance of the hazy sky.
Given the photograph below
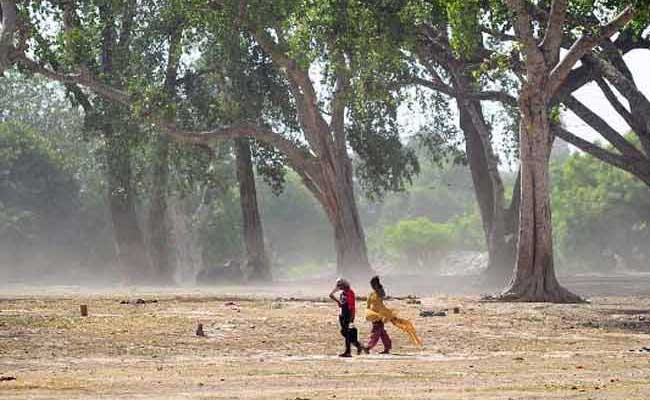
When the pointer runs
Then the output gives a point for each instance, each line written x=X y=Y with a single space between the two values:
x=638 y=62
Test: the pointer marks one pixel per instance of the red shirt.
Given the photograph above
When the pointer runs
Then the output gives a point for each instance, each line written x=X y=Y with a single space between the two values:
x=347 y=300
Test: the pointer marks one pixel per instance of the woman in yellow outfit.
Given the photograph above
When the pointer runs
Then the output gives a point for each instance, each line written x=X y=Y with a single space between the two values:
x=379 y=314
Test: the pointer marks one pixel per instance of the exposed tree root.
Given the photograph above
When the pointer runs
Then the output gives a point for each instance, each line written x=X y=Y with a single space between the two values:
x=558 y=294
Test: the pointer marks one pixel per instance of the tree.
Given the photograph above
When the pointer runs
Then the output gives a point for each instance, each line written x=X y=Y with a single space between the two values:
x=234 y=82
x=39 y=198
x=453 y=63
x=109 y=57
x=257 y=261
x=119 y=133
x=249 y=84
x=160 y=248
x=321 y=158
x=545 y=72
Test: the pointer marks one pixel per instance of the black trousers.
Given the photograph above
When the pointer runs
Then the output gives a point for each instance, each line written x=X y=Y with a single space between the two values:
x=350 y=335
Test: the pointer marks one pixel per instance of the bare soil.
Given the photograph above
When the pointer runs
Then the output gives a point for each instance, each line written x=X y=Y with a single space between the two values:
x=283 y=344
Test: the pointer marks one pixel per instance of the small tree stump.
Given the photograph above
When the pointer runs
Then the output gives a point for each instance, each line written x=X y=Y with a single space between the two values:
x=84 y=310
x=199 y=330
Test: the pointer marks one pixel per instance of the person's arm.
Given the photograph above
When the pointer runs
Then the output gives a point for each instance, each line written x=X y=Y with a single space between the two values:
x=334 y=297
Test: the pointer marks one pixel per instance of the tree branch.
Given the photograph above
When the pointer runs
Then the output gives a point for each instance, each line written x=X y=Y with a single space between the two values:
x=489 y=95
x=576 y=79
x=522 y=25
x=430 y=84
x=430 y=46
x=498 y=34
x=124 y=40
x=596 y=151
x=302 y=89
x=554 y=32
x=639 y=104
x=298 y=156
x=615 y=102
x=599 y=125
x=584 y=45
x=339 y=102
x=84 y=79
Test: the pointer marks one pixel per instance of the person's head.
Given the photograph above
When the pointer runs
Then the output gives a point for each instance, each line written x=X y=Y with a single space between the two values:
x=377 y=286
x=342 y=284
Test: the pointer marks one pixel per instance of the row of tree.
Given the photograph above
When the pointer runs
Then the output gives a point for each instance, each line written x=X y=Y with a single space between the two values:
x=314 y=80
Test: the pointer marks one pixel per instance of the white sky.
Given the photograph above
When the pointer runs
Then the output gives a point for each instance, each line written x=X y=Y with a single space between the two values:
x=639 y=63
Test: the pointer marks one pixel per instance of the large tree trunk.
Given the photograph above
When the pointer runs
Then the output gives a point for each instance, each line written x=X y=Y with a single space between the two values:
x=188 y=250
x=490 y=197
x=258 y=268
x=341 y=206
x=350 y=242
x=160 y=247
x=129 y=242
x=534 y=276
x=9 y=18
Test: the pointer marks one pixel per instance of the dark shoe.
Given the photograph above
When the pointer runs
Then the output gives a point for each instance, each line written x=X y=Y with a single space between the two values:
x=361 y=349
x=366 y=350
x=345 y=355
x=386 y=351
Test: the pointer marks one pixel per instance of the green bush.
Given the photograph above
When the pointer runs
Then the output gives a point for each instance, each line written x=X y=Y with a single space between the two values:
x=417 y=242
x=601 y=215
x=468 y=232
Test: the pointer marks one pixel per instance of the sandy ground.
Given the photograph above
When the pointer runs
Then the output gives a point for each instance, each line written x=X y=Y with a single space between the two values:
x=262 y=346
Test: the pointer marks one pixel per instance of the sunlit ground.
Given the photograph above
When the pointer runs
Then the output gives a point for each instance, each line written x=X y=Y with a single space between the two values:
x=276 y=343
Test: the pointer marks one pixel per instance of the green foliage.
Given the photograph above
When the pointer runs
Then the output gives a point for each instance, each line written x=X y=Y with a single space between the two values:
x=417 y=242
x=464 y=21
x=601 y=215
x=220 y=232
x=437 y=214
x=372 y=133
x=35 y=188
x=16 y=225
x=468 y=232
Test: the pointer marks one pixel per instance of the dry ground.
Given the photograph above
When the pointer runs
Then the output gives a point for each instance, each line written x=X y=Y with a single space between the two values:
x=265 y=347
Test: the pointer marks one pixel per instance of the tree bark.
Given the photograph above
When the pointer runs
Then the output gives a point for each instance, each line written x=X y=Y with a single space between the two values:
x=258 y=267
x=162 y=256
x=188 y=249
x=490 y=198
x=8 y=21
x=129 y=242
x=350 y=240
x=534 y=276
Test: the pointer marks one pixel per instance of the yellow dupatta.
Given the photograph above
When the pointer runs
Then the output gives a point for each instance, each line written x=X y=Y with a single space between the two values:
x=377 y=311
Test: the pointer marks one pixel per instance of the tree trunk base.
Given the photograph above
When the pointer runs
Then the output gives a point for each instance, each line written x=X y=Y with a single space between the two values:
x=258 y=272
x=532 y=293
x=495 y=276
x=357 y=273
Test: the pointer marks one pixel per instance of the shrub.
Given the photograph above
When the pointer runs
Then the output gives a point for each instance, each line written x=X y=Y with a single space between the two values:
x=417 y=242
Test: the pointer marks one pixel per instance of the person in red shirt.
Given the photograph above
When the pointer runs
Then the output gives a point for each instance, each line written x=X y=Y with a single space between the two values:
x=346 y=302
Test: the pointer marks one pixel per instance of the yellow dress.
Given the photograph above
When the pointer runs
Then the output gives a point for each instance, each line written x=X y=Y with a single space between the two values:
x=377 y=311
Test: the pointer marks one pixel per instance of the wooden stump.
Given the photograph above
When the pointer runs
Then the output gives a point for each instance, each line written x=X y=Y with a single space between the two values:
x=84 y=310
